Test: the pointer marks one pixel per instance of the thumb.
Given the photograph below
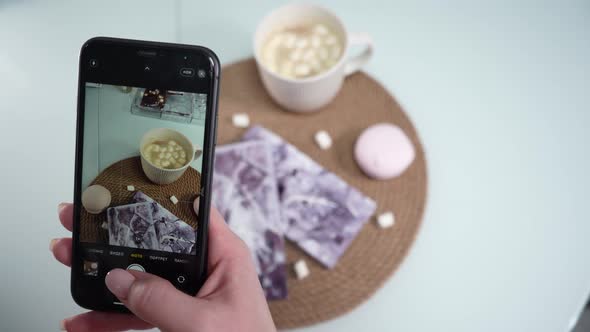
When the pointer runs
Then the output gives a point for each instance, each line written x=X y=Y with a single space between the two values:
x=154 y=300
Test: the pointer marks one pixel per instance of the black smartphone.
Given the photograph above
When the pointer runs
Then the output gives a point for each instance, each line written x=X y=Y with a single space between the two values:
x=145 y=138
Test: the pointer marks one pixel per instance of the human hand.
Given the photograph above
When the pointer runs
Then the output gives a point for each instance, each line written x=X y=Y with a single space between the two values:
x=230 y=300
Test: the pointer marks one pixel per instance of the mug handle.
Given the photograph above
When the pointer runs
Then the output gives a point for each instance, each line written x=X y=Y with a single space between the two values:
x=198 y=152
x=355 y=63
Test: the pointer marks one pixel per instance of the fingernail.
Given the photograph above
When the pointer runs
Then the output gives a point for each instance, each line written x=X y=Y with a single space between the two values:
x=60 y=207
x=119 y=281
x=52 y=244
x=62 y=325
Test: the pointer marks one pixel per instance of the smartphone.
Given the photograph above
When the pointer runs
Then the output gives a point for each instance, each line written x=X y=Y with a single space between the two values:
x=145 y=138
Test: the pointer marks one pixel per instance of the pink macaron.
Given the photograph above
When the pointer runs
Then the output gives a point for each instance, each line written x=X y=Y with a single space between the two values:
x=383 y=151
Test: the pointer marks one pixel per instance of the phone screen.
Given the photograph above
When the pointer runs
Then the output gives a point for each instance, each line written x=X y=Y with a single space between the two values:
x=141 y=163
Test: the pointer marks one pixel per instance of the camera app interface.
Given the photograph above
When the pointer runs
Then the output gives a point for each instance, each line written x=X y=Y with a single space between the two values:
x=141 y=175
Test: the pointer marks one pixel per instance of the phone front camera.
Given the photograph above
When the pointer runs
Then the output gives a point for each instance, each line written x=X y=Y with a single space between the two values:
x=201 y=73
x=93 y=63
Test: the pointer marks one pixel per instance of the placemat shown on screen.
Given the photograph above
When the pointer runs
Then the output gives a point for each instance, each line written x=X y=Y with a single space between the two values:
x=376 y=253
x=126 y=172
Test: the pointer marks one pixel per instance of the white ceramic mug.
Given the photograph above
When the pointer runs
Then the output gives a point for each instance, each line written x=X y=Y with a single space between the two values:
x=161 y=175
x=310 y=93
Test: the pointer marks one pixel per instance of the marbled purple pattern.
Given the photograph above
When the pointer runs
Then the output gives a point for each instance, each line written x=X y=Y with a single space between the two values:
x=245 y=192
x=132 y=226
x=174 y=235
x=320 y=212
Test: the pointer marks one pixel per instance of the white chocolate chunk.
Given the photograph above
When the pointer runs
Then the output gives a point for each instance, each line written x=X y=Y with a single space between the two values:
x=386 y=219
x=323 y=53
x=273 y=67
x=296 y=55
x=331 y=40
x=241 y=120
x=309 y=55
x=172 y=142
x=182 y=154
x=330 y=62
x=130 y=188
x=316 y=41
x=268 y=54
x=335 y=52
x=175 y=155
x=289 y=40
x=286 y=69
x=301 y=43
x=320 y=29
x=276 y=40
x=182 y=161
x=165 y=163
x=302 y=70
x=316 y=65
x=323 y=139
x=174 y=199
x=301 y=269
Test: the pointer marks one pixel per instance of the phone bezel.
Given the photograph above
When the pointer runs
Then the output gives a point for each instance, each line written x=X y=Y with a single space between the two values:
x=125 y=69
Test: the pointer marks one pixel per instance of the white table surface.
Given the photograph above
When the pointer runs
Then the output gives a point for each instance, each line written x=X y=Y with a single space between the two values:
x=498 y=91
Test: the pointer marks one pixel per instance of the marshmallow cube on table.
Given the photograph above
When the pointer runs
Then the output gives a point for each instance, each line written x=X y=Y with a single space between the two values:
x=301 y=269
x=323 y=139
x=241 y=120
x=386 y=219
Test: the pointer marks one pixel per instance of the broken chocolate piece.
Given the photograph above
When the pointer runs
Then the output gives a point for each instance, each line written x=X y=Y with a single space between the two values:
x=154 y=98
x=132 y=226
x=174 y=235
x=320 y=212
x=245 y=192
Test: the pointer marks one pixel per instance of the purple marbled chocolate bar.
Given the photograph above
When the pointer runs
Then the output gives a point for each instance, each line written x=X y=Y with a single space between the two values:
x=132 y=226
x=245 y=192
x=174 y=235
x=320 y=212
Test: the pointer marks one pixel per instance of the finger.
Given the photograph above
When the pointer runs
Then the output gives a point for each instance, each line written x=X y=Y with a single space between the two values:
x=66 y=215
x=155 y=300
x=223 y=243
x=62 y=250
x=102 y=322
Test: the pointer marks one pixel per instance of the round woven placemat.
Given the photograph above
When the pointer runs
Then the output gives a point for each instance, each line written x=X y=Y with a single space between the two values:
x=128 y=171
x=375 y=254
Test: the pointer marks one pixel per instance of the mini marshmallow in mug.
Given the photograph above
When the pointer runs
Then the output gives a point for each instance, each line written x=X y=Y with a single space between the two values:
x=301 y=53
x=166 y=154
